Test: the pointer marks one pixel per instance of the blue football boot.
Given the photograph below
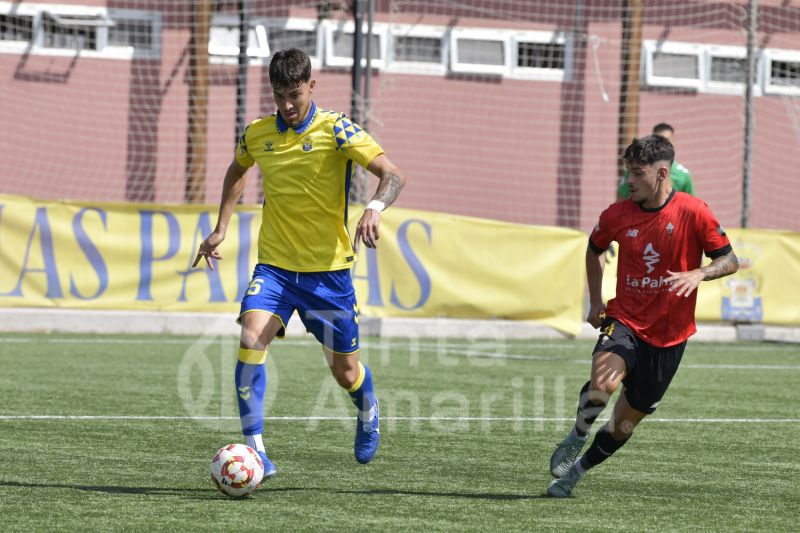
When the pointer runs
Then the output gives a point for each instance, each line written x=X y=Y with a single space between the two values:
x=269 y=468
x=367 y=437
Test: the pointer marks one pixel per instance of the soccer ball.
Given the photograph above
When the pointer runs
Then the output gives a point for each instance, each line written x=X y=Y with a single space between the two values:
x=236 y=470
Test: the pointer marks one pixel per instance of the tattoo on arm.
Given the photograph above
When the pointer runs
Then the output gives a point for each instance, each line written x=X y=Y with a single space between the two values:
x=388 y=188
x=722 y=266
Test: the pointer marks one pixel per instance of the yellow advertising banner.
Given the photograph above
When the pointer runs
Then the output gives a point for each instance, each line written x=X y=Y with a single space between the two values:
x=435 y=264
x=765 y=289
x=138 y=256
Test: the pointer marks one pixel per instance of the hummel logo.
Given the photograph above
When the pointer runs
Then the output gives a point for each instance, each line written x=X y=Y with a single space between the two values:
x=244 y=393
x=268 y=146
x=650 y=257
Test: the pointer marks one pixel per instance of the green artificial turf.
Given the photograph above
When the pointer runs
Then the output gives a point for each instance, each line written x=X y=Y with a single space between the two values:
x=467 y=432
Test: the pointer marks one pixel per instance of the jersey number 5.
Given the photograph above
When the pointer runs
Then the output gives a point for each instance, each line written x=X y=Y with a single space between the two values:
x=255 y=286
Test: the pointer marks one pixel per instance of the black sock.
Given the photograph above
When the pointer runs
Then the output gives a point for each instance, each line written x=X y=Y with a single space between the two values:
x=603 y=446
x=589 y=408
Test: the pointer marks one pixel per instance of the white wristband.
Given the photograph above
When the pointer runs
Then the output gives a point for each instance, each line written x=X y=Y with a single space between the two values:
x=377 y=205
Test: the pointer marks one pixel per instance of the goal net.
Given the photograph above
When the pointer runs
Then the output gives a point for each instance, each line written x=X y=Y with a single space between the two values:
x=502 y=109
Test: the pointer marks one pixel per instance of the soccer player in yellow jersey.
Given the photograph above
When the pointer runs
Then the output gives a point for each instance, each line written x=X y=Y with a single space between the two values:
x=306 y=157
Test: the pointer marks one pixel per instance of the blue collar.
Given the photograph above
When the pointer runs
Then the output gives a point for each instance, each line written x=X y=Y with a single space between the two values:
x=303 y=126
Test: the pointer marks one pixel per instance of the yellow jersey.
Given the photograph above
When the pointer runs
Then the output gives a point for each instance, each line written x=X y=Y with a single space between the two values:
x=306 y=178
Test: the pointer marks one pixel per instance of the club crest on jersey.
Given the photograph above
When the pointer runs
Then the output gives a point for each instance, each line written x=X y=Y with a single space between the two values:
x=268 y=146
x=670 y=227
x=307 y=146
x=650 y=257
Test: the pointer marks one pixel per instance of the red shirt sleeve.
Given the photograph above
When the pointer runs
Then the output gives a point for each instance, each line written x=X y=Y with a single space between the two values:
x=712 y=235
x=602 y=234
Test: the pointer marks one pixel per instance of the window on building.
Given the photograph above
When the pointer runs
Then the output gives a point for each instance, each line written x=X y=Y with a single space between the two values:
x=282 y=38
x=414 y=49
x=64 y=29
x=728 y=69
x=78 y=32
x=480 y=51
x=223 y=39
x=669 y=64
x=540 y=55
x=283 y=33
x=779 y=72
x=16 y=27
x=785 y=73
x=339 y=41
x=343 y=45
x=418 y=49
x=132 y=32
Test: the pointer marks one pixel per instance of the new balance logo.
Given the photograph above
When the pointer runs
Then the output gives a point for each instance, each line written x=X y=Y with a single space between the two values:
x=650 y=257
x=632 y=233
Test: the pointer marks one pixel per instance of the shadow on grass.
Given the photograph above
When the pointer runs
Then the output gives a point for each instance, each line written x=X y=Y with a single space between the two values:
x=109 y=489
x=194 y=493
x=398 y=492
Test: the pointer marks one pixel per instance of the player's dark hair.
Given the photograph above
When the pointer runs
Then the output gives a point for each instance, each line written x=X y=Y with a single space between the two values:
x=289 y=68
x=662 y=126
x=648 y=150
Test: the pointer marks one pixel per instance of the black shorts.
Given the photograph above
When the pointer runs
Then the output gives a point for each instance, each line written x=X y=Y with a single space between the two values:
x=649 y=369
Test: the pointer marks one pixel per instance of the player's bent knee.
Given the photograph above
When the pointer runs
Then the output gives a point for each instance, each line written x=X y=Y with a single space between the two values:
x=621 y=430
x=345 y=367
x=345 y=377
x=601 y=390
x=250 y=339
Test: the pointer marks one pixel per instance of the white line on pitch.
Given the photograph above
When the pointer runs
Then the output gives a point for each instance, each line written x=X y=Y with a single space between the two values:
x=425 y=345
x=401 y=418
x=452 y=350
x=587 y=361
x=210 y=341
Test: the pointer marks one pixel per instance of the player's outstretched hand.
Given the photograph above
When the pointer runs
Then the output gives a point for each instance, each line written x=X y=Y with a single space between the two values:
x=208 y=249
x=684 y=283
x=367 y=229
x=597 y=312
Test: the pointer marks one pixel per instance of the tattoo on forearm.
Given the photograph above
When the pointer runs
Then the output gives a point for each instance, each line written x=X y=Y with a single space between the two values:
x=721 y=266
x=388 y=188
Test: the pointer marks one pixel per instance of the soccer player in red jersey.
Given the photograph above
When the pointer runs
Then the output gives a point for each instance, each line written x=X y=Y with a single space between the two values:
x=662 y=235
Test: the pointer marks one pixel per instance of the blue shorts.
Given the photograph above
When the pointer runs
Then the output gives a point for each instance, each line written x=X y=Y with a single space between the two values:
x=325 y=301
